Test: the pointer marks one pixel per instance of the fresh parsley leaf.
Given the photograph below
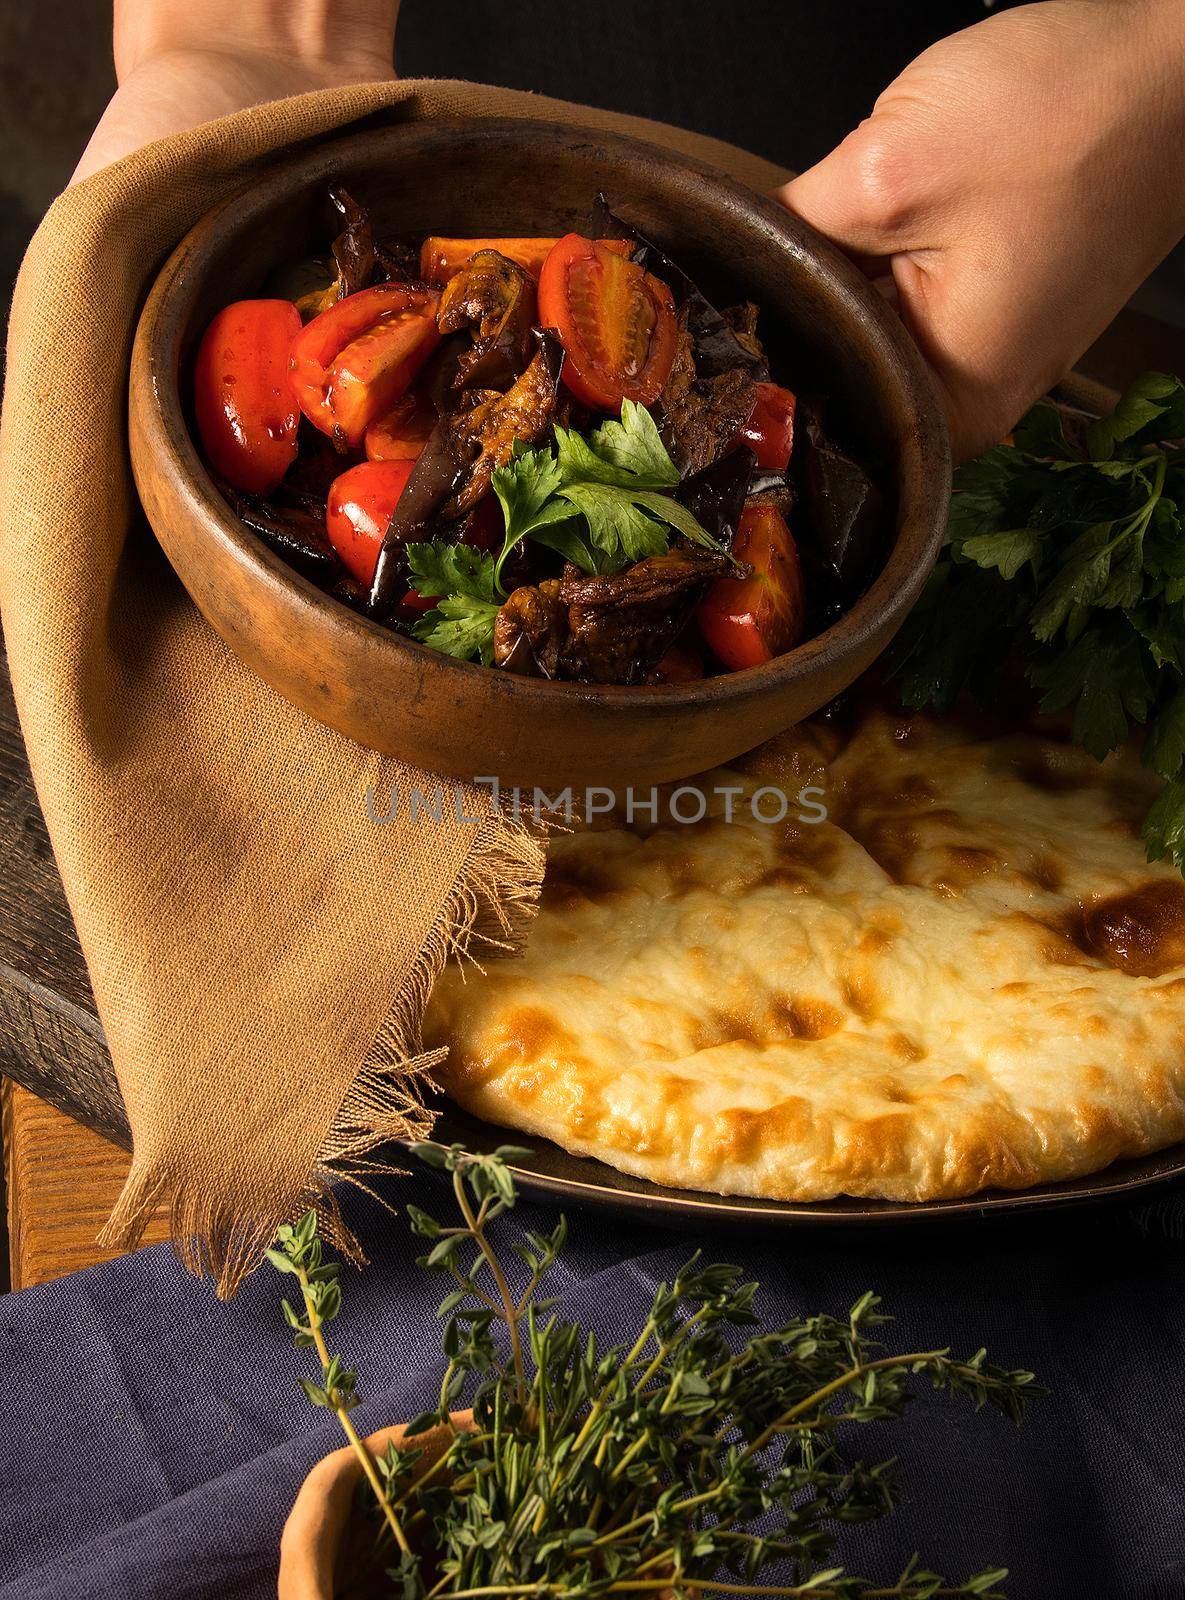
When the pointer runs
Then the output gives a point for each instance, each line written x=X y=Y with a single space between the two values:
x=985 y=488
x=460 y=626
x=1006 y=552
x=1164 y=826
x=618 y=528
x=1041 y=433
x=463 y=623
x=946 y=644
x=1164 y=749
x=635 y=447
x=524 y=488
x=627 y=525
x=440 y=568
x=596 y=498
x=1080 y=580
x=1152 y=409
x=526 y=492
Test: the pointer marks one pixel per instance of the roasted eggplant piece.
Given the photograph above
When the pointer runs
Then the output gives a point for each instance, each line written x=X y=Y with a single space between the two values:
x=353 y=249
x=604 y=629
x=494 y=297
x=530 y=631
x=699 y=418
x=459 y=459
x=484 y=436
x=296 y=532
x=620 y=626
x=721 y=347
x=360 y=258
x=435 y=476
x=716 y=495
x=845 y=507
x=353 y=594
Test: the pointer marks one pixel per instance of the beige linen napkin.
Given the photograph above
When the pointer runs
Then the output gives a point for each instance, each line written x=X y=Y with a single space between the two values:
x=260 y=951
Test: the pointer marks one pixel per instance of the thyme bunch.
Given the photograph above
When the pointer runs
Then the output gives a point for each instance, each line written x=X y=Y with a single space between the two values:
x=686 y=1460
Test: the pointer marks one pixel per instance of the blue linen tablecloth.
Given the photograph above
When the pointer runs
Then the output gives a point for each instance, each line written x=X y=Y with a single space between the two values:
x=153 y=1438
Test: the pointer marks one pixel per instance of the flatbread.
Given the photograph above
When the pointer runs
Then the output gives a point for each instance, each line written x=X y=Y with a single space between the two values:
x=968 y=977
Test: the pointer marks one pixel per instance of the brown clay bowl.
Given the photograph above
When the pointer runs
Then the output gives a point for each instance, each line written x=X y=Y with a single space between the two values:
x=324 y=1550
x=826 y=328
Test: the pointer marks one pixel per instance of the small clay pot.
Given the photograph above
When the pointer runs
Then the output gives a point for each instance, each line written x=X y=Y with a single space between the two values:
x=826 y=329
x=323 y=1549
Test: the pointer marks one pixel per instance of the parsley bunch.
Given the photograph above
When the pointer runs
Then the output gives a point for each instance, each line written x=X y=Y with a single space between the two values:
x=686 y=1460
x=599 y=499
x=1072 y=551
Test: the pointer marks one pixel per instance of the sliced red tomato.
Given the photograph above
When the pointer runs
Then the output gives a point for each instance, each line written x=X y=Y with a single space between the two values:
x=769 y=432
x=350 y=364
x=681 y=664
x=245 y=412
x=615 y=322
x=442 y=259
x=746 y=621
x=401 y=433
x=414 y=604
x=359 y=509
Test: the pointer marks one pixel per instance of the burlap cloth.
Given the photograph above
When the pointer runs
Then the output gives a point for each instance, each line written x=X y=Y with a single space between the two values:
x=260 y=951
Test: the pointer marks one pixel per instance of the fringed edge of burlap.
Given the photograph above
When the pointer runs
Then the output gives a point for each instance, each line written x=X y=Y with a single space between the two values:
x=224 y=1237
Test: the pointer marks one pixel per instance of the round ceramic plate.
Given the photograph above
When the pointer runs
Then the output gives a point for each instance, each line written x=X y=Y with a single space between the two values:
x=550 y=1174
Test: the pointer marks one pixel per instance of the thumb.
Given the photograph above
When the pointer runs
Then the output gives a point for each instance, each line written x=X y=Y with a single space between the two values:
x=869 y=196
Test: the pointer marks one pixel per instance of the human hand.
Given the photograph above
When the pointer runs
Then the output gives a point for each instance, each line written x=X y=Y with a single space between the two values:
x=183 y=62
x=1019 y=181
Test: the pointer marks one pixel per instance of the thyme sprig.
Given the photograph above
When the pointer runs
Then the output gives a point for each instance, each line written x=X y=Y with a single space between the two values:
x=688 y=1460
x=298 y=1251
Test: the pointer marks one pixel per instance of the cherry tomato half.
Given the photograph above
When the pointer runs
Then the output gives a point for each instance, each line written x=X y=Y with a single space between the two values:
x=359 y=508
x=351 y=363
x=244 y=409
x=442 y=259
x=746 y=621
x=401 y=433
x=615 y=322
x=769 y=432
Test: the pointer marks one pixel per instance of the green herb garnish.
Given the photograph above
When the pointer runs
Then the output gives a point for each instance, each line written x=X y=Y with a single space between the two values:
x=688 y=1459
x=596 y=498
x=1073 y=553
x=612 y=479
x=463 y=623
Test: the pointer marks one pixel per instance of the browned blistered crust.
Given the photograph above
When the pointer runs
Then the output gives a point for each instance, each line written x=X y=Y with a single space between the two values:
x=967 y=978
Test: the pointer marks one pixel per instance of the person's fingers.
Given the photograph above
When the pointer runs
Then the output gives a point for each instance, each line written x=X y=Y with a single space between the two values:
x=984 y=333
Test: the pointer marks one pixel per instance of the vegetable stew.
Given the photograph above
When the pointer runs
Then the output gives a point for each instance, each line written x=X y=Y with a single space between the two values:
x=554 y=456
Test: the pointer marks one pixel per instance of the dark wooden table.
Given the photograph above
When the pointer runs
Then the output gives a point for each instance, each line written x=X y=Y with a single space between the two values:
x=66 y=1150
x=62 y=1176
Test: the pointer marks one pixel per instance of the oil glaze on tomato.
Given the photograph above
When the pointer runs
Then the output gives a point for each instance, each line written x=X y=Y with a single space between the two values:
x=359 y=509
x=245 y=411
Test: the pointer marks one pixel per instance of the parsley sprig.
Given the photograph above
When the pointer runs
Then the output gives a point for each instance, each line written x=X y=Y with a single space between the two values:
x=462 y=622
x=600 y=499
x=1072 y=551
x=605 y=489
x=691 y=1458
